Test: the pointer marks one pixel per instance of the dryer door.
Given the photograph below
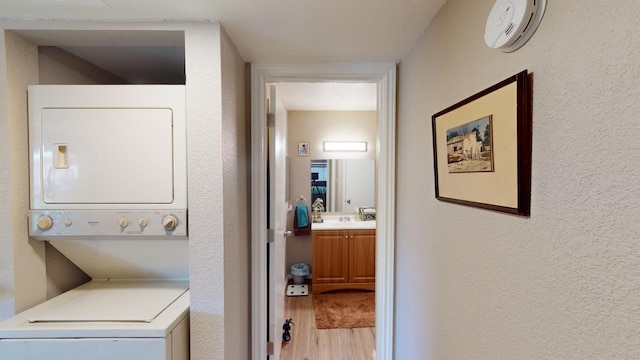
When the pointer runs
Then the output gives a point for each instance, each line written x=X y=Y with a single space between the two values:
x=107 y=147
x=107 y=156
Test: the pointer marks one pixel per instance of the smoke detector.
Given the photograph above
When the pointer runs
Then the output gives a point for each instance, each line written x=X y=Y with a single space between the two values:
x=511 y=23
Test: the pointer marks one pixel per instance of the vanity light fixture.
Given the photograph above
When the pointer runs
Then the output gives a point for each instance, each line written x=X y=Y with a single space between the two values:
x=345 y=146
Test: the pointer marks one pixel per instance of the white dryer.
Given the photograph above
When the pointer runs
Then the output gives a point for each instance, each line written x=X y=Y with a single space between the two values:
x=108 y=190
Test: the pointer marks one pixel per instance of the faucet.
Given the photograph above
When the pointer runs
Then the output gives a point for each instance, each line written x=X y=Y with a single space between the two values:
x=345 y=219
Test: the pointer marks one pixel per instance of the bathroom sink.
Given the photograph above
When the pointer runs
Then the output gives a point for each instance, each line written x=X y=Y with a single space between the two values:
x=338 y=222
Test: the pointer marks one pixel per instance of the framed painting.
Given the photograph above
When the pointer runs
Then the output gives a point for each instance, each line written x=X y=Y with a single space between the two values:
x=303 y=149
x=482 y=148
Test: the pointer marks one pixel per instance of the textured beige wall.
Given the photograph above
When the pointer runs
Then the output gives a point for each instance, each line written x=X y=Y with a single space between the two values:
x=315 y=127
x=57 y=66
x=564 y=283
x=29 y=269
x=206 y=195
x=236 y=155
x=7 y=289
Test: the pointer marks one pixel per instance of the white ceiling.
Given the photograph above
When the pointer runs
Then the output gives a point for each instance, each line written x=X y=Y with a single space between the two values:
x=269 y=30
x=328 y=96
x=263 y=31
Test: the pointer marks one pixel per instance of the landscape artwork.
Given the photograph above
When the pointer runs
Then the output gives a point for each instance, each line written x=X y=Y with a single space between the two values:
x=469 y=147
x=486 y=141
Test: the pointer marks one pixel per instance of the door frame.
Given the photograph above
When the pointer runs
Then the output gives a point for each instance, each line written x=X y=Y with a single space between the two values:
x=384 y=74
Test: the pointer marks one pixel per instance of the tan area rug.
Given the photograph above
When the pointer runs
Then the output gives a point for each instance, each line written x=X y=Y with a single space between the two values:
x=345 y=310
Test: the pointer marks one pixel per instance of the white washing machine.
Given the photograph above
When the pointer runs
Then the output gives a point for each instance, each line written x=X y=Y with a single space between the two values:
x=108 y=190
x=104 y=320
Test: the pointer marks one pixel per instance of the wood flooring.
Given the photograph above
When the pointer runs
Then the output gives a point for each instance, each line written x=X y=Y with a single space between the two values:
x=309 y=343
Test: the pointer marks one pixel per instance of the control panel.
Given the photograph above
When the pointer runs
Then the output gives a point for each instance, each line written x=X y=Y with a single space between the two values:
x=139 y=224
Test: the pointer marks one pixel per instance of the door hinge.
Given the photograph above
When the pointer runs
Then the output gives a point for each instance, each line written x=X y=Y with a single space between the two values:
x=271 y=235
x=269 y=348
x=271 y=120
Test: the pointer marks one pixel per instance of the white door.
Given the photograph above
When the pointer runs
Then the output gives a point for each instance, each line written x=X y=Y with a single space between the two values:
x=276 y=164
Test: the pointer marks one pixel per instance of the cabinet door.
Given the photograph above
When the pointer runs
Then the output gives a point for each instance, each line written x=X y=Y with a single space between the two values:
x=362 y=249
x=330 y=256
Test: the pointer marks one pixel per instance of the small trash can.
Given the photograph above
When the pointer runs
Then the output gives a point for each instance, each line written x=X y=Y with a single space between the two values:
x=299 y=271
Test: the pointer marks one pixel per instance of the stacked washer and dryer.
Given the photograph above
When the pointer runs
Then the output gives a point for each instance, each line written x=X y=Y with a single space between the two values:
x=108 y=182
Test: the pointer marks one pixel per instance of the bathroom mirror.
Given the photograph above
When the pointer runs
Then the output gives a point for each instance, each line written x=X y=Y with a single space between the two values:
x=343 y=184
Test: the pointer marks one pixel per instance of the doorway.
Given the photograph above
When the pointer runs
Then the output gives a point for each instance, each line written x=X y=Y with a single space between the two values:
x=319 y=116
x=385 y=76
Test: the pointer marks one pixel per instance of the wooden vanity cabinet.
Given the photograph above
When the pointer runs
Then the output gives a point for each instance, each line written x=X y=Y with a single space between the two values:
x=343 y=259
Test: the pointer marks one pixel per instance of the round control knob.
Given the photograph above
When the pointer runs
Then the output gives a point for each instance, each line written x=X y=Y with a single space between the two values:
x=169 y=222
x=44 y=222
x=123 y=223
x=143 y=222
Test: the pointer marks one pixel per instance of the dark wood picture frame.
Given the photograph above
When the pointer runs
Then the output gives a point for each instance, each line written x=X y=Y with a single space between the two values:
x=507 y=188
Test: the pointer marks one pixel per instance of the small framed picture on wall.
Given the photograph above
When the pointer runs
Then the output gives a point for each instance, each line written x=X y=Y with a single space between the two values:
x=303 y=149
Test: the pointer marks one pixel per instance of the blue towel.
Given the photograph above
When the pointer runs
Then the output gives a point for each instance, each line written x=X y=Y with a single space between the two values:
x=303 y=217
